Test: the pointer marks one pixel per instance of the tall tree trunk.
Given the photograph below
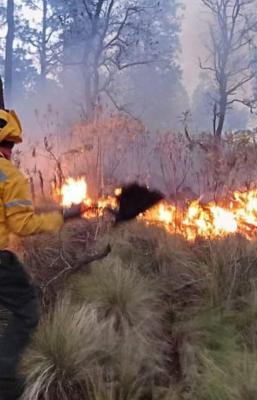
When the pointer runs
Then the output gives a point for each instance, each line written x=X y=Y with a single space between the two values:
x=8 y=67
x=222 y=109
x=89 y=101
x=221 y=119
x=43 y=51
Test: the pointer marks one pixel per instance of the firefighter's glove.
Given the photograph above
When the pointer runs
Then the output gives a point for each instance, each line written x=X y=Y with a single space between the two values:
x=74 y=211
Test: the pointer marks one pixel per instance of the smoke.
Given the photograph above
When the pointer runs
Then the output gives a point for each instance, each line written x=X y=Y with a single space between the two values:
x=192 y=41
x=154 y=94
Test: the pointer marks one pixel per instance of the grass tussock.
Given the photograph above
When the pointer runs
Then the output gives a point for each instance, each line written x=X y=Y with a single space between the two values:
x=235 y=380
x=67 y=343
x=229 y=268
x=153 y=249
x=159 y=318
x=73 y=355
x=120 y=294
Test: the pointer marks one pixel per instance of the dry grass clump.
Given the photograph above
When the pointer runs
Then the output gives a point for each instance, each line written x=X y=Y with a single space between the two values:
x=135 y=367
x=226 y=368
x=167 y=259
x=120 y=294
x=45 y=251
x=69 y=344
x=229 y=268
x=50 y=257
x=153 y=249
x=75 y=356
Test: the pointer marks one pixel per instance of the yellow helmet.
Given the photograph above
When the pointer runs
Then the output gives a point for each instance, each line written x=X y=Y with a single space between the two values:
x=12 y=130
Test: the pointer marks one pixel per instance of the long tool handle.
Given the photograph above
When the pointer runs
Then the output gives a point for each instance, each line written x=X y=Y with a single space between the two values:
x=2 y=106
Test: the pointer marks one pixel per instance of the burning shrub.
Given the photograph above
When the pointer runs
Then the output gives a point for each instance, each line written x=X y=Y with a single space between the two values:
x=202 y=166
x=103 y=149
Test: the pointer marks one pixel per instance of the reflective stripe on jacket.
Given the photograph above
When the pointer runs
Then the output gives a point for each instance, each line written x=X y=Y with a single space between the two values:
x=16 y=209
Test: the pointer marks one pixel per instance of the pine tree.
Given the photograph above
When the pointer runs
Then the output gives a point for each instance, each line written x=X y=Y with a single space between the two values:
x=42 y=40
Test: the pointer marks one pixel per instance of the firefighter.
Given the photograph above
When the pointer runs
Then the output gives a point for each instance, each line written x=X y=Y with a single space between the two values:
x=17 y=292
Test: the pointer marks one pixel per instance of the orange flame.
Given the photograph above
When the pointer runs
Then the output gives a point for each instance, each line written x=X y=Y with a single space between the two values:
x=239 y=215
x=74 y=191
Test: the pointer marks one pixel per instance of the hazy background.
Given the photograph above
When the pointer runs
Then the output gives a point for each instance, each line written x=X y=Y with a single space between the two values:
x=158 y=93
x=112 y=96
x=193 y=26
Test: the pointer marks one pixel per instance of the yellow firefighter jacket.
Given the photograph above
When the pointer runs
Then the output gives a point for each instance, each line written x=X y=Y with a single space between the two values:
x=16 y=210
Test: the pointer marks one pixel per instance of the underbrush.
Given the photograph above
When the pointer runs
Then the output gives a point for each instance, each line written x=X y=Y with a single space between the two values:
x=158 y=318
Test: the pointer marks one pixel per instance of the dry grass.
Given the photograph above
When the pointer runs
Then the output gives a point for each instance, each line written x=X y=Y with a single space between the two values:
x=229 y=267
x=50 y=258
x=152 y=248
x=75 y=356
x=69 y=344
x=120 y=294
x=232 y=379
x=159 y=318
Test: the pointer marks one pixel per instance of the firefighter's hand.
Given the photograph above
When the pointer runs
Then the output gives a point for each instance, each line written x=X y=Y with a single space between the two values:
x=74 y=211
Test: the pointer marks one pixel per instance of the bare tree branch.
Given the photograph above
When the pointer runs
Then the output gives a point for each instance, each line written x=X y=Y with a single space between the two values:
x=231 y=64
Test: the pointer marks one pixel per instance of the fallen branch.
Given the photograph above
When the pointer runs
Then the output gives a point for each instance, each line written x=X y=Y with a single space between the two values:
x=80 y=264
x=87 y=259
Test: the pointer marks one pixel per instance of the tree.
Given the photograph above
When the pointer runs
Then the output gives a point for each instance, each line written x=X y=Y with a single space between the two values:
x=106 y=37
x=8 y=67
x=154 y=92
x=202 y=108
x=230 y=61
x=17 y=68
x=42 y=40
x=25 y=74
x=202 y=105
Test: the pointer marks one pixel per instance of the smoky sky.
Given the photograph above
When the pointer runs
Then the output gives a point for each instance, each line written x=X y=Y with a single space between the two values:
x=192 y=40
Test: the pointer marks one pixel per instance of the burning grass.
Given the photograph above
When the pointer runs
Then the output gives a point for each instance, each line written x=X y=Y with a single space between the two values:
x=161 y=317
x=237 y=213
x=171 y=313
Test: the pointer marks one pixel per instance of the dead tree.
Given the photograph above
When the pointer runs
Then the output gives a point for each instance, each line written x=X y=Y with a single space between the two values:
x=231 y=59
x=109 y=34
